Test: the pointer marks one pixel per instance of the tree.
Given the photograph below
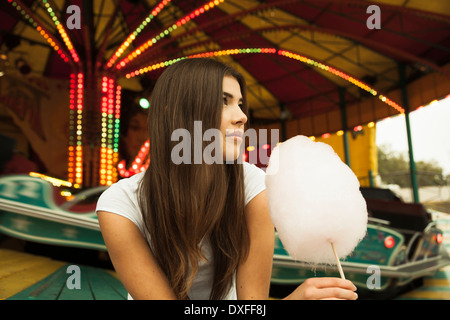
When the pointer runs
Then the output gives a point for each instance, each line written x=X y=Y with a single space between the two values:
x=393 y=168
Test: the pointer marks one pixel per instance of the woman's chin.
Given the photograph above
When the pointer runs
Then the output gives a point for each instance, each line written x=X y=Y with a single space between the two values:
x=232 y=151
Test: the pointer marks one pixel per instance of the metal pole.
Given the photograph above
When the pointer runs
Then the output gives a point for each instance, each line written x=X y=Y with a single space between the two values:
x=371 y=179
x=412 y=164
x=344 y=124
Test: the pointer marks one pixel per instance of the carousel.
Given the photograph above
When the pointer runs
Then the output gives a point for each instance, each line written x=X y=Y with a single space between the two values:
x=75 y=82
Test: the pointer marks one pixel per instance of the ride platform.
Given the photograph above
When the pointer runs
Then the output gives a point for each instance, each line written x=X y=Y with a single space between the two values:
x=25 y=276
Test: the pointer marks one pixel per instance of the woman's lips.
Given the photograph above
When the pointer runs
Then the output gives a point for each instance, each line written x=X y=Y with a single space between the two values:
x=235 y=135
x=237 y=138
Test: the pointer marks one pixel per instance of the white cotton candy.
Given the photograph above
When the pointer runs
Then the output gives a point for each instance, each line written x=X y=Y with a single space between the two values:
x=314 y=200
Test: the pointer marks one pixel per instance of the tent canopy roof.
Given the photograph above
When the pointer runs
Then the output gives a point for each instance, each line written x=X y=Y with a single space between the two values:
x=326 y=45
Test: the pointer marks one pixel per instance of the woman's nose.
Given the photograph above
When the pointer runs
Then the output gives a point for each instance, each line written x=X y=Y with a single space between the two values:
x=239 y=116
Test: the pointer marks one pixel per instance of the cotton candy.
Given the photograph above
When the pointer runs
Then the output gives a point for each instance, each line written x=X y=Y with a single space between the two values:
x=314 y=200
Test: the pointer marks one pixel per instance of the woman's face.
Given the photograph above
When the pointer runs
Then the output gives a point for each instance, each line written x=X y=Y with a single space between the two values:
x=233 y=119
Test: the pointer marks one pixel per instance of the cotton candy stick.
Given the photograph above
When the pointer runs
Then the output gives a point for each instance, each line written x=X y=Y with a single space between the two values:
x=314 y=202
x=338 y=262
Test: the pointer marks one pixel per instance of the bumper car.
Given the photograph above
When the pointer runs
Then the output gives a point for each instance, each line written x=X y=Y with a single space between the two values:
x=402 y=243
x=35 y=210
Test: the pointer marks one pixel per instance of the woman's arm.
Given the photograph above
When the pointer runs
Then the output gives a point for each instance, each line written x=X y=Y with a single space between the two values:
x=132 y=258
x=253 y=274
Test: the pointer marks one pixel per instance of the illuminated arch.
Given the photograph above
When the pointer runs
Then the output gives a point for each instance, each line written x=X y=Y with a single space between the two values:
x=280 y=52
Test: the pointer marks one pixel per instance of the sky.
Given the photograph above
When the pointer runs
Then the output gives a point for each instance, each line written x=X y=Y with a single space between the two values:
x=430 y=131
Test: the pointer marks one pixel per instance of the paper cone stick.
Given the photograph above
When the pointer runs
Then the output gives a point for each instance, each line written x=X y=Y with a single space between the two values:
x=341 y=272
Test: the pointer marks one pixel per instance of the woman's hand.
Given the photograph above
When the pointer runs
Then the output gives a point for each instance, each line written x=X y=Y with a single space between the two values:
x=324 y=288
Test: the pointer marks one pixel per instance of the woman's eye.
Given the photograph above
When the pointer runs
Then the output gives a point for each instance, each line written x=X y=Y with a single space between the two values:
x=241 y=105
x=225 y=102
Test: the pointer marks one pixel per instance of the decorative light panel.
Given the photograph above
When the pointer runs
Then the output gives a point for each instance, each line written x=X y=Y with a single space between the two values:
x=75 y=163
x=110 y=122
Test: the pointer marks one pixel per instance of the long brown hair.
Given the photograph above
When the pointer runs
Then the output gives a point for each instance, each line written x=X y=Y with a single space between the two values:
x=186 y=205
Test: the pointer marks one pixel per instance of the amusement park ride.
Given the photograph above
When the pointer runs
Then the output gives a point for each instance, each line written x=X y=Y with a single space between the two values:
x=95 y=94
x=53 y=211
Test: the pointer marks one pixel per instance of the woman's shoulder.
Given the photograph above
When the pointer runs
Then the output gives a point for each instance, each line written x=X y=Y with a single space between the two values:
x=252 y=172
x=126 y=186
x=254 y=181
x=250 y=167
x=122 y=198
x=131 y=182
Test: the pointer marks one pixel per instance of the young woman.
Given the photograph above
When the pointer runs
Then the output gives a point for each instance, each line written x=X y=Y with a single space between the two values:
x=197 y=231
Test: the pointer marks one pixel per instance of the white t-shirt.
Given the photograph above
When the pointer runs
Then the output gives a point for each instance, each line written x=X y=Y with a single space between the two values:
x=121 y=198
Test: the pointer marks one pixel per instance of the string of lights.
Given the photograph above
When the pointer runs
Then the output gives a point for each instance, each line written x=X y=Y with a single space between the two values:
x=110 y=122
x=29 y=16
x=129 y=40
x=75 y=163
x=139 y=164
x=284 y=53
x=141 y=49
x=62 y=31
